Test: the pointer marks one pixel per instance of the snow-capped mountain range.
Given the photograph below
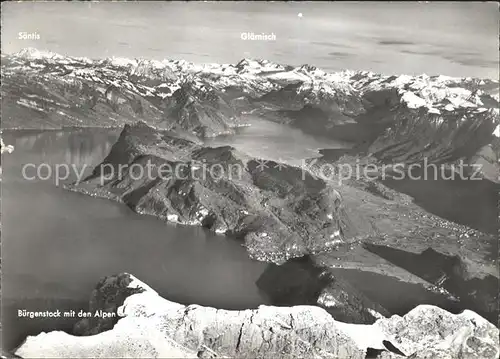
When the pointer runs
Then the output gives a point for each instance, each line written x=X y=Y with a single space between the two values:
x=45 y=89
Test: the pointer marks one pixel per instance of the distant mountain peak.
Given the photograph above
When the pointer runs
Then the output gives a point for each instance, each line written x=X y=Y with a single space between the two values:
x=33 y=53
x=308 y=68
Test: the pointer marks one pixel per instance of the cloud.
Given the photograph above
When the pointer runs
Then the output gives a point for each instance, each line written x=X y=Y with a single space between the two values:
x=465 y=58
x=331 y=44
x=389 y=42
x=422 y=52
x=130 y=25
x=340 y=54
x=473 y=61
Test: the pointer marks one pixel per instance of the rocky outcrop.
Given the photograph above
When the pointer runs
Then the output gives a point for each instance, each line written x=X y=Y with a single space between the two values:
x=108 y=295
x=199 y=108
x=153 y=327
x=417 y=135
x=280 y=211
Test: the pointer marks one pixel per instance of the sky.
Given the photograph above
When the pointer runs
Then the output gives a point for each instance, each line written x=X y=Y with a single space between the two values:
x=449 y=38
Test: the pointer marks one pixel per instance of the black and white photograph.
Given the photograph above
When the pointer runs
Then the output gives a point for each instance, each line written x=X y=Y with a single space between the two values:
x=250 y=179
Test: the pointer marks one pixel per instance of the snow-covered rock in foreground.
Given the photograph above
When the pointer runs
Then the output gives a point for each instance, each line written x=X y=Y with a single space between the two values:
x=150 y=326
x=431 y=332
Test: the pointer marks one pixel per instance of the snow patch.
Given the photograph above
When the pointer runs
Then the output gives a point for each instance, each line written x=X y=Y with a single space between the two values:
x=497 y=131
x=366 y=336
x=412 y=100
x=30 y=104
x=375 y=314
x=449 y=107
x=122 y=62
x=136 y=283
x=172 y=217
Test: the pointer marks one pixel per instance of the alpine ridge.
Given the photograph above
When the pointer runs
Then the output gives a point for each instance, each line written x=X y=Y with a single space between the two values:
x=49 y=90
